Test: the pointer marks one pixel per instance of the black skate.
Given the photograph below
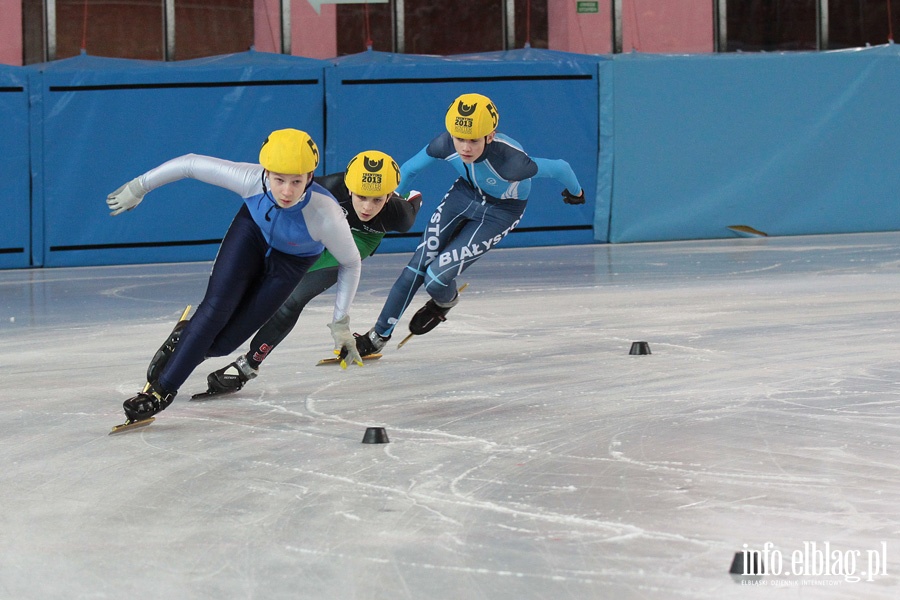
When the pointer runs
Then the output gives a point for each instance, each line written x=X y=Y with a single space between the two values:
x=147 y=403
x=140 y=409
x=430 y=316
x=369 y=343
x=162 y=356
x=228 y=379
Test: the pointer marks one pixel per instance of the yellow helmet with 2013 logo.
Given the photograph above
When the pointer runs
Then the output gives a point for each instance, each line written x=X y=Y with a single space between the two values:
x=289 y=151
x=372 y=173
x=472 y=116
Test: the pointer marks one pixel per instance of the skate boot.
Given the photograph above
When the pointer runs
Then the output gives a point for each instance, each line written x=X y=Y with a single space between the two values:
x=231 y=378
x=165 y=351
x=370 y=343
x=147 y=403
x=429 y=316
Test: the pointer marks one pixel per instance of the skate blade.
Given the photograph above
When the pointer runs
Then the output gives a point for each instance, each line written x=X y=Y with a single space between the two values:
x=337 y=360
x=128 y=425
x=404 y=340
x=208 y=395
x=185 y=313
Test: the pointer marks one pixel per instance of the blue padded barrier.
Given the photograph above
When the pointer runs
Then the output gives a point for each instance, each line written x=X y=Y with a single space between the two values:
x=15 y=201
x=547 y=101
x=789 y=144
x=667 y=147
x=98 y=122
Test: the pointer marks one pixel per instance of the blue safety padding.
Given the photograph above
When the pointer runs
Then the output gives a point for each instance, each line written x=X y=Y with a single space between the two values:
x=789 y=144
x=548 y=101
x=15 y=200
x=101 y=122
x=667 y=147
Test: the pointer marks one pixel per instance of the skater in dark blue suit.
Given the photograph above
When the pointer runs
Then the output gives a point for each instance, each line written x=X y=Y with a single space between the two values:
x=285 y=223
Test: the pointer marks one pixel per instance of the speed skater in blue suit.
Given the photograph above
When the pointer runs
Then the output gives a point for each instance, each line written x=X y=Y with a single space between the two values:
x=485 y=203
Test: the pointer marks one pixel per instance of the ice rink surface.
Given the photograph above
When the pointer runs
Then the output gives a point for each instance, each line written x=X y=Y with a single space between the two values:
x=530 y=455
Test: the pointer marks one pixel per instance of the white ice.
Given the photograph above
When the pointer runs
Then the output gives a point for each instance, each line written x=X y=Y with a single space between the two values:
x=530 y=455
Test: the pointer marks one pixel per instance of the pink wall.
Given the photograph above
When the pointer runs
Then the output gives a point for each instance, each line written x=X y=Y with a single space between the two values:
x=11 y=32
x=670 y=26
x=267 y=25
x=313 y=28
x=313 y=34
x=585 y=33
x=674 y=26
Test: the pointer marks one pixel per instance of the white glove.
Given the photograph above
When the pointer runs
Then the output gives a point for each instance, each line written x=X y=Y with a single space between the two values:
x=414 y=195
x=344 y=342
x=126 y=197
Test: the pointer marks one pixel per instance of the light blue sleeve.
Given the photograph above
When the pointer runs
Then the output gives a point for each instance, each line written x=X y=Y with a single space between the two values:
x=559 y=170
x=244 y=179
x=410 y=169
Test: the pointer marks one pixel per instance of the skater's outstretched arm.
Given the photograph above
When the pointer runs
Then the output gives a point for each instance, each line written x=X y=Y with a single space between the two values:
x=241 y=178
x=412 y=167
x=561 y=171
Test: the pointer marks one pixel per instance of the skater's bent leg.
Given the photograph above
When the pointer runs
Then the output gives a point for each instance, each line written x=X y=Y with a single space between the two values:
x=447 y=219
x=442 y=287
x=238 y=263
x=283 y=273
x=398 y=299
x=487 y=226
x=210 y=318
x=285 y=318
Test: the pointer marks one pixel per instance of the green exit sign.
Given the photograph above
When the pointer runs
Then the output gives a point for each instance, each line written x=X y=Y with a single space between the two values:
x=587 y=6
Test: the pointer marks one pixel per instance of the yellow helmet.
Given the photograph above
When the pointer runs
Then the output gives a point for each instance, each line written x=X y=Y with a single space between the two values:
x=472 y=116
x=372 y=173
x=289 y=151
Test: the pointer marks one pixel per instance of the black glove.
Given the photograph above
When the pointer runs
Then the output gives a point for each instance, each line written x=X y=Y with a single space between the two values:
x=568 y=198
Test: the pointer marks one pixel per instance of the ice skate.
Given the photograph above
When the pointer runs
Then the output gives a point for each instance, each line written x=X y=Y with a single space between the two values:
x=370 y=343
x=430 y=316
x=228 y=379
x=139 y=410
x=151 y=400
x=162 y=356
